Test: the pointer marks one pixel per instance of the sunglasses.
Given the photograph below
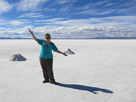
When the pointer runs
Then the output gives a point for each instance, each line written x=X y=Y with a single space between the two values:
x=47 y=37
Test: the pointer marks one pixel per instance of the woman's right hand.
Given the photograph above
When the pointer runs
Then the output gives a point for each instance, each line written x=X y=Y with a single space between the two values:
x=32 y=35
x=30 y=31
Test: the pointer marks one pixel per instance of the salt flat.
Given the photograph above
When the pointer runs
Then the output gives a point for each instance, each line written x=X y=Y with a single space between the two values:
x=99 y=71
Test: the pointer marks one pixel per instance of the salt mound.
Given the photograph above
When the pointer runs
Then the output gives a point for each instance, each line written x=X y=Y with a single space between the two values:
x=17 y=57
x=69 y=52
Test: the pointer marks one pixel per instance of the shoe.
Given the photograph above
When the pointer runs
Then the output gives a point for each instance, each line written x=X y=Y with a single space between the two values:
x=53 y=82
x=45 y=81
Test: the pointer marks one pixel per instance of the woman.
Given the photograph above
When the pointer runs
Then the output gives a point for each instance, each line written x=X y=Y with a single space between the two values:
x=46 y=57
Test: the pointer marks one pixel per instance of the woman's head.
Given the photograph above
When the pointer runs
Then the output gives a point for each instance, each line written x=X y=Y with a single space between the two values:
x=47 y=36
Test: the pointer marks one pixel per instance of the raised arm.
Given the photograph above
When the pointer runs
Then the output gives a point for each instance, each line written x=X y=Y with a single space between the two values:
x=33 y=35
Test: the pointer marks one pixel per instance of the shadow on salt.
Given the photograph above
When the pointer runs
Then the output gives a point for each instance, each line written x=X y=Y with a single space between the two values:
x=85 y=88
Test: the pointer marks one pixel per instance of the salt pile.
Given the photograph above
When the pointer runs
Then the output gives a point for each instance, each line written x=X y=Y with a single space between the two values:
x=17 y=57
x=69 y=52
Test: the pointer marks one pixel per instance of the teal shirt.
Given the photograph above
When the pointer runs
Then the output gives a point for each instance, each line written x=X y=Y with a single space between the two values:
x=46 y=49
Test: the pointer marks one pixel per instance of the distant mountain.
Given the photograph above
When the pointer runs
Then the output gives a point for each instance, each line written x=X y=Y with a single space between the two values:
x=77 y=38
x=13 y=38
x=113 y=38
x=100 y=38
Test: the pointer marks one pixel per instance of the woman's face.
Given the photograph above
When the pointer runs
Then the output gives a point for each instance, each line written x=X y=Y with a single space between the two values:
x=47 y=38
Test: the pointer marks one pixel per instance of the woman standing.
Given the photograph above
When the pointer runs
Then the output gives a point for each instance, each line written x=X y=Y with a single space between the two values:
x=46 y=57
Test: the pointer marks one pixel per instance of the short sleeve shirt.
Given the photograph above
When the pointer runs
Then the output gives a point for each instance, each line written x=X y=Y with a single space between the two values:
x=46 y=49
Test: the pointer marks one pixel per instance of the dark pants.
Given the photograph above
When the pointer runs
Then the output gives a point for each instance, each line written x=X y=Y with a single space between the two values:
x=47 y=68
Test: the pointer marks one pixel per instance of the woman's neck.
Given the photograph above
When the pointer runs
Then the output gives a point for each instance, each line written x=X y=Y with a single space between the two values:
x=48 y=42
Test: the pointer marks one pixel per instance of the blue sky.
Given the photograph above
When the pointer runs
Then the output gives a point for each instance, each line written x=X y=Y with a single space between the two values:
x=68 y=18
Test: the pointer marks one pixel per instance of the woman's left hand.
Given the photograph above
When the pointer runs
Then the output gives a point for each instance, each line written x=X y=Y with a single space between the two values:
x=65 y=54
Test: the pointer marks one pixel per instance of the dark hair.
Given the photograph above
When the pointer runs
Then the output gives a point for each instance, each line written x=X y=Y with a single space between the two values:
x=47 y=34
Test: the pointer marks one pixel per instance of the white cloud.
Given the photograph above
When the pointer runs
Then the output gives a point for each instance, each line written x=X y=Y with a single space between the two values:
x=88 y=12
x=30 y=5
x=72 y=32
x=23 y=30
x=65 y=5
x=65 y=1
x=50 y=20
x=1 y=28
x=99 y=3
x=92 y=5
x=1 y=23
x=110 y=4
x=31 y=15
x=86 y=32
x=104 y=8
x=20 y=32
x=106 y=21
x=18 y=22
x=5 y=6
x=66 y=8
x=49 y=9
x=127 y=3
